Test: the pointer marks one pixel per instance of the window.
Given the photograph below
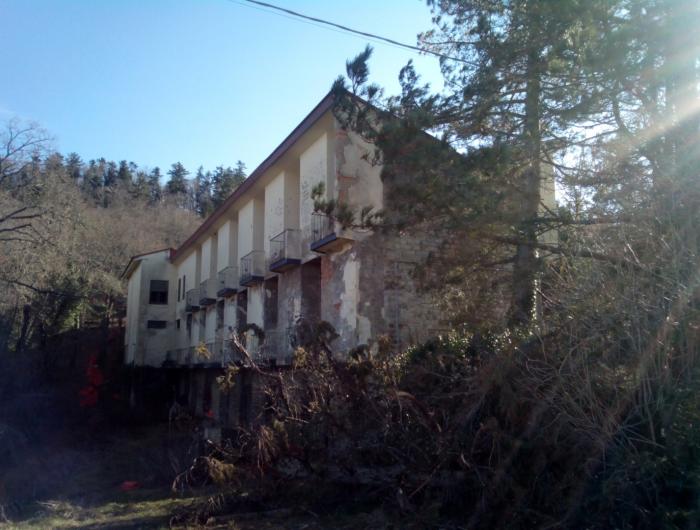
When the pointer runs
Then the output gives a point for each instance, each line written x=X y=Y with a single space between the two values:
x=156 y=324
x=189 y=326
x=177 y=323
x=270 y=304
x=159 y=292
x=179 y=285
x=184 y=289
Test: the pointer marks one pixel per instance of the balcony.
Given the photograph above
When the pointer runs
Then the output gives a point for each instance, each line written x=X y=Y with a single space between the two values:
x=231 y=354
x=212 y=356
x=324 y=236
x=252 y=268
x=227 y=281
x=179 y=357
x=277 y=349
x=192 y=300
x=285 y=250
x=207 y=292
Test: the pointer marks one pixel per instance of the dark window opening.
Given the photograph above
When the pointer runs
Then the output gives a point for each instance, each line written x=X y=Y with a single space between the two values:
x=270 y=291
x=189 y=326
x=311 y=291
x=177 y=323
x=159 y=292
x=156 y=324
x=179 y=287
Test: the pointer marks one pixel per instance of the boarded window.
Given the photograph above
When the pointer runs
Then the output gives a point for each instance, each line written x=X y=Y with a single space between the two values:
x=159 y=292
x=156 y=324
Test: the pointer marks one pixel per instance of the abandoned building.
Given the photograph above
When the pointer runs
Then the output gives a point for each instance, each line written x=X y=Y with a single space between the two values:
x=265 y=257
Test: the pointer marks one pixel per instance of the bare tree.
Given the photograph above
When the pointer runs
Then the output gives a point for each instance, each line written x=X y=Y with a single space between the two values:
x=22 y=144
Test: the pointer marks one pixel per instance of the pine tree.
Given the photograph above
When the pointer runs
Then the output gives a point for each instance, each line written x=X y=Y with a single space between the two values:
x=110 y=171
x=521 y=85
x=74 y=166
x=225 y=181
x=155 y=191
x=202 y=191
x=125 y=173
x=140 y=188
x=177 y=185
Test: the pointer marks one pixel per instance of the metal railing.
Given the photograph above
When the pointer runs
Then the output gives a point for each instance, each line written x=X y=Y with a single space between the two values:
x=214 y=353
x=285 y=249
x=322 y=226
x=227 y=281
x=252 y=267
x=207 y=292
x=192 y=300
x=277 y=347
x=181 y=356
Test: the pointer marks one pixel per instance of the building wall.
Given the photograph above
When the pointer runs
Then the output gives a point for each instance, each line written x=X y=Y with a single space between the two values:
x=144 y=345
x=227 y=244
x=316 y=165
x=206 y=258
x=133 y=315
x=364 y=289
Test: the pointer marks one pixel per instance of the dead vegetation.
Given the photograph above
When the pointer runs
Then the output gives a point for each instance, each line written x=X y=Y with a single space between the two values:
x=592 y=423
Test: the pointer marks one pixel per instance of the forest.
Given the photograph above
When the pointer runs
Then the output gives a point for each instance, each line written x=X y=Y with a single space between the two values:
x=68 y=228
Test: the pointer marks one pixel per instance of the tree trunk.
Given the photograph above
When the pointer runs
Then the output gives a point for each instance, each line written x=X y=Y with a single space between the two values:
x=26 y=318
x=523 y=308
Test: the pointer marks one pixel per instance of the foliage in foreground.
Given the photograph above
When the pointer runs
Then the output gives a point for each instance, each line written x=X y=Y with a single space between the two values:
x=490 y=430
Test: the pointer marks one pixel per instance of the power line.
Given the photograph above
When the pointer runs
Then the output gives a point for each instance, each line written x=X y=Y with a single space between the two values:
x=351 y=30
x=310 y=23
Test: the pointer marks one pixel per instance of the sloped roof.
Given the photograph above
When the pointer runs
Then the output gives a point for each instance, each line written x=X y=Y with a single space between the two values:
x=318 y=111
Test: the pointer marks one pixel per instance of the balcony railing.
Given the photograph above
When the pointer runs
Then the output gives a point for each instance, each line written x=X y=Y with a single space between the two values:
x=231 y=353
x=207 y=292
x=213 y=354
x=180 y=356
x=324 y=236
x=227 y=281
x=192 y=300
x=277 y=347
x=252 y=269
x=285 y=250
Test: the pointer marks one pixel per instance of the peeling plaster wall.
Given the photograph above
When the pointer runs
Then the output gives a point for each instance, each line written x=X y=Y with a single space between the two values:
x=255 y=305
x=229 y=315
x=210 y=329
x=359 y=181
x=274 y=209
x=289 y=293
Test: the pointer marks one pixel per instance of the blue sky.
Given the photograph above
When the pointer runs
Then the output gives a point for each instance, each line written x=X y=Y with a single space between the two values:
x=200 y=81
